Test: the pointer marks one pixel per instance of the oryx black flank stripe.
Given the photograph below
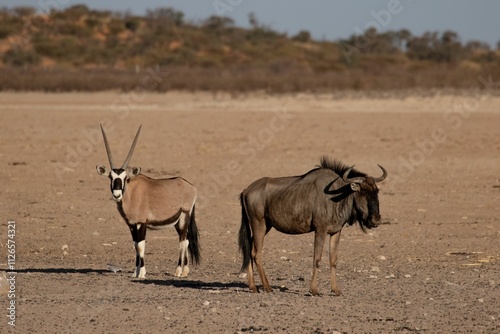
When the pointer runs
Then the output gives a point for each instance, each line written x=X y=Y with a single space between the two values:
x=167 y=221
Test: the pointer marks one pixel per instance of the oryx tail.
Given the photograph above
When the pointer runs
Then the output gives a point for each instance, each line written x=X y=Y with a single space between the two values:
x=193 y=238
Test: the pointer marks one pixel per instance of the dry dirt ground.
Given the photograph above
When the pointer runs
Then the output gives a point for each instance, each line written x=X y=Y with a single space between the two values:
x=433 y=266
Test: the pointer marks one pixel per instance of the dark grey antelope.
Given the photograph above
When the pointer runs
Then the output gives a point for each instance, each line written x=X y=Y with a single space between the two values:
x=144 y=202
x=321 y=201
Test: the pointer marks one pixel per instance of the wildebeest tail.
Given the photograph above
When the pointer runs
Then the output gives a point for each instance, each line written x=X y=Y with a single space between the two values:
x=245 y=236
x=193 y=236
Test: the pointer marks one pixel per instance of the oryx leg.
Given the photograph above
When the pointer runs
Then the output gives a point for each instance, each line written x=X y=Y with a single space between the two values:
x=182 y=269
x=319 y=242
x=334 y=247
x=260 y=230
x=138 y=232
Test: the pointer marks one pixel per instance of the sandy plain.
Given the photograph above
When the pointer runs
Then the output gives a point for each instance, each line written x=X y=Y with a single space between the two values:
x=433 y=266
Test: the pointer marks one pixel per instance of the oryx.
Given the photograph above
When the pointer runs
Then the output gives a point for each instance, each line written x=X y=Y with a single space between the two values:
x=144 y=202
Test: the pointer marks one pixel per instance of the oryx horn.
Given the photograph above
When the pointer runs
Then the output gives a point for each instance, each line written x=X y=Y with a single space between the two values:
x=384 y=175
x=129 y=156
x=108 y=150
x=352 y=180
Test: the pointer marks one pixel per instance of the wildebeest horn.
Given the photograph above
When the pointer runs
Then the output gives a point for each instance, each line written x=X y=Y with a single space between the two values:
x=129 y=156
x=108 y=151
x=384 y=175
x=354 y=179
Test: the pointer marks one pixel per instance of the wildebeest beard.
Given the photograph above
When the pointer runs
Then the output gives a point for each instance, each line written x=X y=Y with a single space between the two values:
x=370 y=195
x=355 y=213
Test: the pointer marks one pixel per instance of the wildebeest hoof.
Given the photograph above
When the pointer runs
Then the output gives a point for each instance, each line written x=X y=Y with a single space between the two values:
x=314 y=292
x=336 y=293
x=254 y=289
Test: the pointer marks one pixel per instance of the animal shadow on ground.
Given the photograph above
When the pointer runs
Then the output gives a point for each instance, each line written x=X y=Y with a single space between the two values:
x=63 y=270
x=177 y=283
x=198 y=285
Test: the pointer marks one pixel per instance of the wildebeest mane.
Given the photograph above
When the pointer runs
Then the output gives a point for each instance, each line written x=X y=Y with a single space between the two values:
x=339 y=167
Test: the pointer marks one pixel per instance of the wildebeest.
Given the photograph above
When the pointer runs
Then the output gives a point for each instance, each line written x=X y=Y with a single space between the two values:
x=321 y=201
x=144 y=202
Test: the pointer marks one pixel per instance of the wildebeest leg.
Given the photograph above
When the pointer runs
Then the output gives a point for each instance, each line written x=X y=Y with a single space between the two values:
x=182 y=269
x=251 y=280
x=139 y=235
x=334 y=244
x=259 y=232
x=319 y=242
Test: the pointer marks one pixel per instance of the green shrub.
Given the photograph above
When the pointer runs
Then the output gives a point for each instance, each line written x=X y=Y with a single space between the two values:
x=9 y=25
x=116 y=26
x=21 y=57
x=67 y=49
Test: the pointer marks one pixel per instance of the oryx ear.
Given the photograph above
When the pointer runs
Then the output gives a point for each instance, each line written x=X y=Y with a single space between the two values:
x=101 y=170
x=355 y=186
x=134 y=171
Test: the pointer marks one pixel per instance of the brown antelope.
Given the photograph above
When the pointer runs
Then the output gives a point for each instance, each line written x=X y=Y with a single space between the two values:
x=323 y=200
x=144 y=202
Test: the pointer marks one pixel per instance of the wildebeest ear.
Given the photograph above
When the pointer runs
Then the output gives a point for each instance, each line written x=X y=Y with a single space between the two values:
x=355 y=186
x=101 y=170
x=134 y=171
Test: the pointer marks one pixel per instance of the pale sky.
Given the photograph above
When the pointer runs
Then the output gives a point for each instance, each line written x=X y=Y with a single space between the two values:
x=325 y=19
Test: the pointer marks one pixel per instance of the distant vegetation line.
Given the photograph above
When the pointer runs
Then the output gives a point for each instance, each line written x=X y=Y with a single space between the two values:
x=79 y=49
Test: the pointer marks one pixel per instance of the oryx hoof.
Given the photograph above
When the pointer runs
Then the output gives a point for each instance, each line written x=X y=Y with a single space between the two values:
x=139 y=273
x=181 y=271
